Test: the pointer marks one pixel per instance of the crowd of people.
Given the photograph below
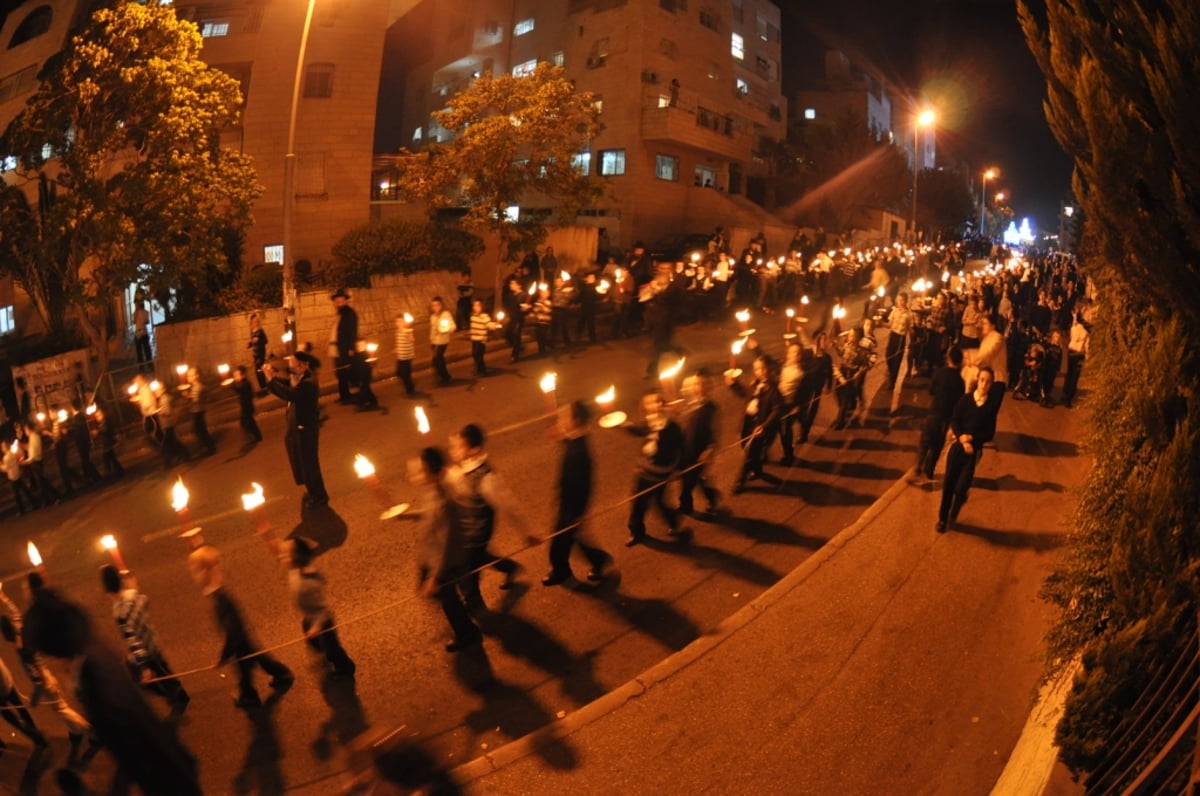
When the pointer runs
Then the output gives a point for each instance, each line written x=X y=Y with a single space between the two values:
x=960 y=331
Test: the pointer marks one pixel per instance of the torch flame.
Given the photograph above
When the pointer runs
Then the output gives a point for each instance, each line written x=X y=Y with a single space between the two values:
x=132 y=390
x=223 y=369
x=695 y=257
x=62 y=415
x=179 y=495
x=108 y=541
x=363 y=467
x=791 y=313
x=549 y=382
x=743 y=316
x=181 y=370
x=881 y=291
x=41 y=417
x=255 y=497
x=603 y=287
x=155 y=385
x=372 y=348
x=16 y=446
x=543 y=286
x=287 y=336
x=804 y=299
x=608 y=396
x=672 y=371
x=564 y=276
x=737 y=347
x=500 y=316
x=35 y=558
x=533 y=288
x=408 y=318
x=422 y=420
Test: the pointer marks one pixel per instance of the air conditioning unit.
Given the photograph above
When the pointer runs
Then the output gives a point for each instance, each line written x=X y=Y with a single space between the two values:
x=649 y=77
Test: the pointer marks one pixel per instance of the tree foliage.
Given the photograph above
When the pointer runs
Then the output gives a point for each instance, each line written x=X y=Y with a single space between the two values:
x=514 y=140
x=1122 y=100
x=124 y=132
x=400 y=247
x=944 y=200
x=840 y=169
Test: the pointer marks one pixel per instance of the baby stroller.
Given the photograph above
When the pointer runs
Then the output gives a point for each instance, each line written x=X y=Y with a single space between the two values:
x=1029 y=383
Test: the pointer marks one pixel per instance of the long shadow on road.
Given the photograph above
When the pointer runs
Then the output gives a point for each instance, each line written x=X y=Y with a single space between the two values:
x=652 y=617
x=1040 y=542
x=522 y=638
x=765 y=531
x=705 y=557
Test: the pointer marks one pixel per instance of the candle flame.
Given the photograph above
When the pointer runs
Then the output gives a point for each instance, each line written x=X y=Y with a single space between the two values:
x=223 y=369
x=672 y=371
x=533 y=288
x=737 y=347
x=945 y=276
x=603 y=287
x=743 y=316
x=564 y=276
x=254 y=498
x=287 y=336
x=372 y=348
x=500 y=315
x=363 y=467
x=422 y=420
x=791 y=313
x=445 y=325
x=108 y=541
x=543 y=286
x=881 y=291
x=408 y=318
x=62 y=415
x=181 y=370
x=804 y=299
x=608 y=396
x=132 y=389
x=16 y=446
x=155 y=385
x=41 y=417
x=35 y=557
x=839 y=311
x=549 y=382
x=179 y=495
x=695 y=257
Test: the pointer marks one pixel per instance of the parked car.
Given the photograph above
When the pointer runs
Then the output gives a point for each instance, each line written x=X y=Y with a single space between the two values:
x=680 y=247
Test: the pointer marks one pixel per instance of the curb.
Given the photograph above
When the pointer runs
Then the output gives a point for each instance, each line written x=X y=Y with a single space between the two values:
x=1032 y=761
x=593 y=711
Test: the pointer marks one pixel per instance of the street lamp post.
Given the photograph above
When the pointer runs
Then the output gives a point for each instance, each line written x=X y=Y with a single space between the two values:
x=923 y=119
x=289 y=188
x=990 y=174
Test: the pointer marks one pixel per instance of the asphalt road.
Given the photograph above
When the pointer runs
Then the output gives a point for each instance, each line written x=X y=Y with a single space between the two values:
x=548 y=650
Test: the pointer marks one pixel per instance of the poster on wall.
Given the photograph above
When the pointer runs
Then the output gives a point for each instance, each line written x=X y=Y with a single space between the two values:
x=55 y=382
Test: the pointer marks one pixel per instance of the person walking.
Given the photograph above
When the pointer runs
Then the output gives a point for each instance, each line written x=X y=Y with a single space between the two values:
x=816 y=381
x=478 y=493
x=131 y=612
x=760 y=421
x=34 y=460
x=239 y=646
x=106 y=432
x=946 y=386
x=480 y=323
x=700 y=441
x=900 y=325
x=1077 y=350
x=13 y=710
x=302 y=438
x=406 y=351
x=141 y=333
x=245 y=396
x=441 y=326
x=343 y=345
x=258 y=350
x=24 y=497
x=166 y=416
x=973 y=424
x=307 y=586
x=198 y=405
x=441 y=551
x=661 y=453
x=574 y=496
x=515 y=306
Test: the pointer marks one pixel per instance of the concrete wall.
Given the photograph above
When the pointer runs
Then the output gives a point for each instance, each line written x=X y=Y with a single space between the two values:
x=209 y=342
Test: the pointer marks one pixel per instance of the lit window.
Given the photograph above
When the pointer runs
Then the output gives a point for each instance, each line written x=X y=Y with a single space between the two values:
x=810 y=113
x=557 y=59
x=737 y=46
x=273 y=254
x=523 y=26
x=523 y=69
x=8 y=322
x=666 y=167
x=512 y=213
x=612 y=162
x=417 y=134
x=742 y=86
x=582 y=163
x=211 y=30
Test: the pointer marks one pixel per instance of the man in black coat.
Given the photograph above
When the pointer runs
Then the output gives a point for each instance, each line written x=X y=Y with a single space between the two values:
x=303 y=423
x=660 y=456
x=345 y=341
x=700 y=440
x=947 y=388
x=574 y=495
x=973 y=424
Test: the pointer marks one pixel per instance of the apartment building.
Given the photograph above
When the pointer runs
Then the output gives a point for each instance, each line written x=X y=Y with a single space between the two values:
x=843 y=89
x=689 y=89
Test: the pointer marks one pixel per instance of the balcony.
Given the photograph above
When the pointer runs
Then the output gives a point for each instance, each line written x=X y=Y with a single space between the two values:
x=682 y=121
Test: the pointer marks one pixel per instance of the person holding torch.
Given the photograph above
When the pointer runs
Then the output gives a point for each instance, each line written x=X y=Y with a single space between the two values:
x=303 y=424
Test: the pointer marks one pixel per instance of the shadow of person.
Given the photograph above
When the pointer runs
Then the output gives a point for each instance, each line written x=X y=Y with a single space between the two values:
x=1039 y=542
x=512 y=712
x=861 y=470
x=522 y=638
x=705 y=557
x=321 y=525
x=1013 y=483
x=260 y=772
x=403 y=763
x=1030 y=445
x=820 y=494
x=765 y=531
x=37 y=765
x=473 y=668
x=346 y=721
x=650 y=616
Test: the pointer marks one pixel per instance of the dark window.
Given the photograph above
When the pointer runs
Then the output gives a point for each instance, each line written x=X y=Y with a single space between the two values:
x=318 y=81
x=34 y=25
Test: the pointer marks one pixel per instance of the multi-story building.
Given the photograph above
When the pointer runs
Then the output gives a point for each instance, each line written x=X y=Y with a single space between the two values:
x=258 y=43
x=844 y=90
x=690 y=95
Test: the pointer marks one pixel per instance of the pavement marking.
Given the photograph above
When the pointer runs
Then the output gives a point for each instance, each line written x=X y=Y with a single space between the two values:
x=1031 y=763
x=175 y=530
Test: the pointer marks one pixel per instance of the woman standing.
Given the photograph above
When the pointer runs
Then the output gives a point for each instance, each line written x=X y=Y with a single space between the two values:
x=258 y=348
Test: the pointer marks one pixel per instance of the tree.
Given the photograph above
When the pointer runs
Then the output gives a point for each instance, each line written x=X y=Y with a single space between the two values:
x=945 y=201
x=843 y=168
x=514 y=139
x=1123 y=100
x=400 y=247
x=123 y=136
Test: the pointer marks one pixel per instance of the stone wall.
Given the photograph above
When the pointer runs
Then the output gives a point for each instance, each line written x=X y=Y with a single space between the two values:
x=209 y=342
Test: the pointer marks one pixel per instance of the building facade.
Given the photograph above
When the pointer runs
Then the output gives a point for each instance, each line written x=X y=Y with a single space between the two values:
x=690 y=95
x=844 y=90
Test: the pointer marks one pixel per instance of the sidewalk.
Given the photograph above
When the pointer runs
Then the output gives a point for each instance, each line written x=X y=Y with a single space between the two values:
x=895 y=660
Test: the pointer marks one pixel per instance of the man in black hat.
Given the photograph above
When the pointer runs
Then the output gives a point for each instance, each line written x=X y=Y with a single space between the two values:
x=344 y=344
x=303 y=423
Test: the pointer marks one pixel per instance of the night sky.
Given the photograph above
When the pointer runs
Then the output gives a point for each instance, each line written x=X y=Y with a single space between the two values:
x=968 y=57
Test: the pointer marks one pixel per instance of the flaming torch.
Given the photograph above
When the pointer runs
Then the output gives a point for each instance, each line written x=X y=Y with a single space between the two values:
x=549 y=385
x=735 y=351
x=609 y=419
x=35 y=558
x=179 y=502
x=667 y=379
x=109 y=543
x=743 y=319
x=422 y=420
x=253 y=502
x=366 y=471
x=223 y=372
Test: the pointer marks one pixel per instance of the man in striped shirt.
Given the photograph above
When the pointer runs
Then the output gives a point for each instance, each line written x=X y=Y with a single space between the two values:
x=481 y=322
x=131 y=611
x=406 y=350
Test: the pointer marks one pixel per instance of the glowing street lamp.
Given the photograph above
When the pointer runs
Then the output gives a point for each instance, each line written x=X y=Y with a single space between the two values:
x=925 y=118
x=989 y=174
